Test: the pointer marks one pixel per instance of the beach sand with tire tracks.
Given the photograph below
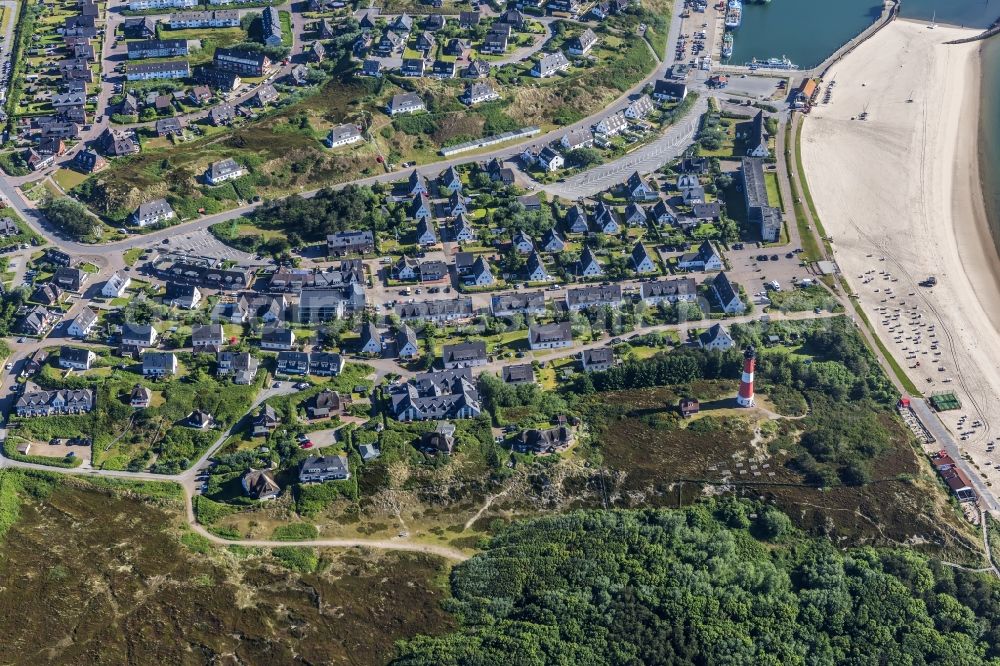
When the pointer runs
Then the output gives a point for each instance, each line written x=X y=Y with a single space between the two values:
x=899 y=192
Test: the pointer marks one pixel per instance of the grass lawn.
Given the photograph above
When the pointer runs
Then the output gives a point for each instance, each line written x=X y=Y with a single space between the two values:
x=68 y=178
x=773 y=192
x=131 y=256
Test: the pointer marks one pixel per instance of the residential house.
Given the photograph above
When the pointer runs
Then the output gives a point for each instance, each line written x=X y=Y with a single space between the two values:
x=436 y=310
x=371 y=67
x=464 y=355
x=47 y=403
x=448 y=394
x=543 y=441
x=148 y=71
x=207 y=338
x=549 y=159
x=639 y=189
x=639 y=108
x=271 y=33
x=224 y=170
x=407 y=347
x=350 y=242
x=716 y=338
x=169 y=127
x=495 y=43
x=433 y=271
x=140 y=397
x=371 y=341
x=550 y=336
x=83 y=323
x=477 y=93
x=577 y=221
x=266 y=94
x=550 y=65
x=181 y=295
x=412 y=67
x=610 y=126
x=319 y=469
x=117 y=144
x=588 y=266
x=439 y=440
x=74 y=358
x=293 y=363
x=343 y=135
x=259 y=484
x=669 y=91
x=577 y=138
x=759 y=211
x=595 y=296
x=141 y=336
x=582 y=43
x=159 y=364
x=326 y=364
x=635 y=215
x=755 y=137
x=153 y=212
x=328 y=403
x=454 y=47
x=425 y=232
x=598 y=360
x=606 y=219
x=524 y=303
x=70 y=279
x=705 y=259
x=47 y=294
x=477 y=69
x=481 y=275
x=462 y=229
x=642 y=262
x=277 y=338
x=241 y=366
x=265 y=421
x=223 y=114
x=552 y=242
x=468 y=20
x=522 y=243
x=727 y=294
x=405 y=103
x=221 y=79
x=521 y=373
x=669 y=291
x=241 y=61
x=536 y=270
x=88 y=161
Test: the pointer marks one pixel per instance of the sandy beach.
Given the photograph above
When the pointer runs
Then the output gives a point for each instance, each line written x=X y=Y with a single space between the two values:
x=899 y=193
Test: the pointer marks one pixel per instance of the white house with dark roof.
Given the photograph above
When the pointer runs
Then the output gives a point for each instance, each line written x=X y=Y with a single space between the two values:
x=581 y=44
x=75 y=358
x=639 y=108
x=425 y=232
x=407 y=347
x=669 y=291
x=521 y=373
x=409 y=102
x=611 y=125
x=343 y=135
x=642 y=262
x=138 y=335
x=577 y=138
x=577 y=221
x=116 y=285
x=635 y=215
x=277 y=338
x=224 y=170
x=481 y=275
x=536 y=270
x=151 y=212
x=479 y=92
x=549 y=159
x=371 y=340
x=550 y=65
x=588 y=266
x=597 y=360
x=82 y=324
x=716 y=338
x=639 y=189
x=552 y=241
x=605 y=219
x=462 y=230
x=159 y=364
x=727 y=294
x=464 y=355
x=550 y=336
x=705 y=259
x=595 y=296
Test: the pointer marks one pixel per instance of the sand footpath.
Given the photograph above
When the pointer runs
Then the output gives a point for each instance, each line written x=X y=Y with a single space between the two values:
x=899 y=193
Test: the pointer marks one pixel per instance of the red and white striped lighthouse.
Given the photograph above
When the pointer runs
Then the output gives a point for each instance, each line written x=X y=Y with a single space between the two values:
x=745 y=396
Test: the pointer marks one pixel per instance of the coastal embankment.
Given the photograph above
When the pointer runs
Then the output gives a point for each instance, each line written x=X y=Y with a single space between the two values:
x=893 y=169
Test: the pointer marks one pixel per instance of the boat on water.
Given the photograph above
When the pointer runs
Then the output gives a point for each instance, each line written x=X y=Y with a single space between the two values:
x=734 y=14
x=772 y=63
x=727 y=45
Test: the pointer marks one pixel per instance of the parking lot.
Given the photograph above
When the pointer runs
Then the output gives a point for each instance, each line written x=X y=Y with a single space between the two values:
x=204 y=244
x=753 y=267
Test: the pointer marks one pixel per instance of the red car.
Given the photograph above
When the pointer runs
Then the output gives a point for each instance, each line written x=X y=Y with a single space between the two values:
x=306 y=445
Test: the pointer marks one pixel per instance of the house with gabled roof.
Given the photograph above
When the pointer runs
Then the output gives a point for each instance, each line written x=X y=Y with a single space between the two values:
x=550 y=336
x=588 y=266
x=425 y=232
x=642 y=262
x=464 y=355
x=371 y=340
x=536 y=270
x=727 y=295
x=462 y=230
x=420 y=207
x=639 y=108
x=611 y=125
x=582 y=43
x=669 y=291
x=83 y=323
x=407 y=347
x=635 y=215
x=594 y=296
x=639 y=189
x=550 y=65
x=577 y=221
x=605 y=219
x=705 y=259
x=552 y=241
x=717 y=338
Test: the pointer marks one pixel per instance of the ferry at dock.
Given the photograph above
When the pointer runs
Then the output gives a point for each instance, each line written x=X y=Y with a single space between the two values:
x=734 y=14
x=727 y=45
x=772 y=63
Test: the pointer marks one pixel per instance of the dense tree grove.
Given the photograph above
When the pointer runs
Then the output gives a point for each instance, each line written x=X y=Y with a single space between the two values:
x=330 y=211
x=72 y=217
x=725 y=582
